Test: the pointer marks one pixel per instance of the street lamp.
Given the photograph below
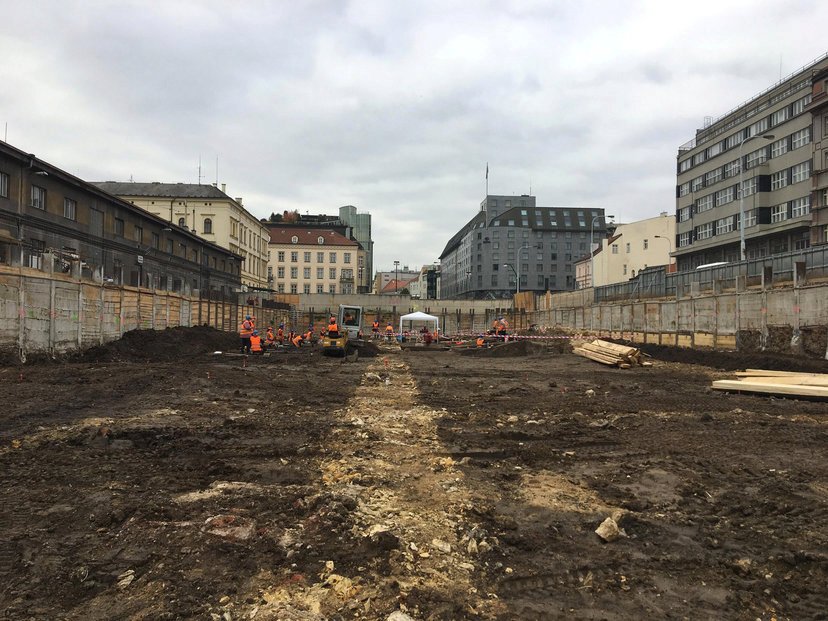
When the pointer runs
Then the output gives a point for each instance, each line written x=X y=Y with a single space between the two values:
x=396 y=275
x=742 y=194
x=468 y=282
x=517 y=292
x=514 y=271
x=592 y=250
x=669 y=250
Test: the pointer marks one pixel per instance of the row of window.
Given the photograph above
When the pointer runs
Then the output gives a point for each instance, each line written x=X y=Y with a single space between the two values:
x=207 y=226
x=754 y=158
x=539 y=267
x=645 y=245
x=306 y=273
x=320 y=257
x=306 y=288
x=778 y=213
x=756 y=129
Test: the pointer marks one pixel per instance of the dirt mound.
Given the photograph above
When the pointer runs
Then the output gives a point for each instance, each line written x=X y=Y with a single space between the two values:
x=162 y=345
x=732 y=360
x=513 y=349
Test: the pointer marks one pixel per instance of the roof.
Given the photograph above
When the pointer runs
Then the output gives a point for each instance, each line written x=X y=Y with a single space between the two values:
x=459 y=235
x=397 y=285
x=164 y=190
x=309 y=236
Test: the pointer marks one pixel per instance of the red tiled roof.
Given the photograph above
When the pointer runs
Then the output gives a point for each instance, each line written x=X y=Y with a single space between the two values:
x=397 y=285
x=281 y=235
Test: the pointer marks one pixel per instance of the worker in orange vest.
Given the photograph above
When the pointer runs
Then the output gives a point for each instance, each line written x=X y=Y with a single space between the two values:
x=280 y=334
x=375 y=329
x=270 y=340
x=309 y=334
x=245 y=332
x=297 y=340
x=333 y=329
x=255 y=343
x=480 y=340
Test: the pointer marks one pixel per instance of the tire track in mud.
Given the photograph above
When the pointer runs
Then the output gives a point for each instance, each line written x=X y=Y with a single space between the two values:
x=412 y=551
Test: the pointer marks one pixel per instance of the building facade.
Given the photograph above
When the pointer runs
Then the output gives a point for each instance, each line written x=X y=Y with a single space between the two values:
x=49 y=215
x=209 y=213
x=818 y=109
x=747 y=176
x=313 y=260
x=383 y=279
x=631 y=248
x=512 y=243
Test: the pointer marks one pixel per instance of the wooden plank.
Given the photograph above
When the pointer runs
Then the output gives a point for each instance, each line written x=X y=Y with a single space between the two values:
x=773 y=389
x=596 y=357
x=598 y=350
x=791 y=380
x=599 y=354
x=762 y=373
x=624 y=350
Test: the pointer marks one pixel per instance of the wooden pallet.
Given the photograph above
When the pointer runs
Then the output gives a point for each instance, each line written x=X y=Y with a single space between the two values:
x=611 y=354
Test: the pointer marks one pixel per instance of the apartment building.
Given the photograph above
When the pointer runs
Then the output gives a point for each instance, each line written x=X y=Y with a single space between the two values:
x=747 y=176
x=52 y=220
x=818 y=108
x=313 y=260
x=511 y=243
x=207 y=212
x=630 y=248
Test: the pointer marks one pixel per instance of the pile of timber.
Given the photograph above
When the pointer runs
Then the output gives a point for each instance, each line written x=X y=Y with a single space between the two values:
x=614 y=355
x=777 y=383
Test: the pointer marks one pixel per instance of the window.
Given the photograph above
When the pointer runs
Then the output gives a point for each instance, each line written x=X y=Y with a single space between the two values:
x=749 y=186
x=698 y=158
x=332 y=272
x=684 y=214
x=780 y=147
x=731 y=169
x=495 y=267
x=280 y=272
x=757 y=157
x=331 y=257
x=714 y=150
x=119 y=227
x=615 y=249
x=704 y=203
x=625 y=269
x=713 y=176
x=280 y=287
x=779 y=179
x=685 y=165
x=70 y=209
x=734 y=140
x=725 y=225
x=294 y=288
x=156 y=243
x=628 y=247
x=779 y=116
x=332 y=289
x=4 y=185
x=280 y=256
x=798 y=106
x=800 y=206
x=138 y=234
x=646 y=244
x=704 y=231
x=801 y=172
x=306 y=288
x=294 y=256
x=750 y=218
x=38 y=197
x=347 y=257
x=320 y=273
x=779 y=213
x=182 y=222
x=697 y=184
x=294 y=272
x=684 y=239
x=169 y=246
x=759 y=127
x=234 y=228
x=801 y=138
x=724 y=196
x=306 y=272
x=320 y=288
x=208 y=226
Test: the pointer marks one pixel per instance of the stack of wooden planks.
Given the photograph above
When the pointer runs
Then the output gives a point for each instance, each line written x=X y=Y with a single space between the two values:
x=620 y=356
x=777 y=383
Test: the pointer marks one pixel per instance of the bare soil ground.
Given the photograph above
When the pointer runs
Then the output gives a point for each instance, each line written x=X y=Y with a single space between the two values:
x=186 y=485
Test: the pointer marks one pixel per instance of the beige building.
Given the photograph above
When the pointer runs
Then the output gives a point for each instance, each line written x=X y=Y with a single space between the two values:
x=633 y=247
x=209 y=213
x=313 y=260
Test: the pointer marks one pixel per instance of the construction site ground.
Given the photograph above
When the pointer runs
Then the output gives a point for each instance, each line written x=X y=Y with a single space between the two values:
x=154 y=479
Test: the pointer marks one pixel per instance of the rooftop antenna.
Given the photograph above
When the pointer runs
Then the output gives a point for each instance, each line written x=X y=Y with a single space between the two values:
x=217 y=171
x=199 y=169
x=6 y=133
x=530 y=185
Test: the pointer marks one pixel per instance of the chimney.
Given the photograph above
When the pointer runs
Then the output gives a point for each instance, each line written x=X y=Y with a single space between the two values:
x=224 y=188
x=239 y=200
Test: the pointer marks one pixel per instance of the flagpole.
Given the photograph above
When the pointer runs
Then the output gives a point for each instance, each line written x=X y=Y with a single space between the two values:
x=487 y=178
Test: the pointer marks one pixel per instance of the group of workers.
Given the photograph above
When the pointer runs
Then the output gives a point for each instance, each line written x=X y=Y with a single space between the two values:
x=254 y=343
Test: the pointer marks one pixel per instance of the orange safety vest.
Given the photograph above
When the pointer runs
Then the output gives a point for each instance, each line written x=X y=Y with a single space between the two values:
x=389 y=329
x=281 y=335
x=308 y=335
x=269 y=338
x=297 y=340
x=480 y=341
x=375 y=326
x=333 y=328
x=246 y=328
x=255 y=343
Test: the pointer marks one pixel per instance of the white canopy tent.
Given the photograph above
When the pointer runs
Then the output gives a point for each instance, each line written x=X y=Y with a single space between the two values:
x=418 y=316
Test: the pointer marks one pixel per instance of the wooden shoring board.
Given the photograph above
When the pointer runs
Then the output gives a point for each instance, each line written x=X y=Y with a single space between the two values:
x=772 y=389
x=596 y=357
x=762 y=373
x=790 y=380
x=600 y=350
x=624 y=350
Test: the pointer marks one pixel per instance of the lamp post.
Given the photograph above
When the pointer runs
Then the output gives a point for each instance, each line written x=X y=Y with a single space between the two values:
x=396 y=275
x=742 y=195
x=468 y=282
x=517 y=291
x=592 y=250
x=669 y=250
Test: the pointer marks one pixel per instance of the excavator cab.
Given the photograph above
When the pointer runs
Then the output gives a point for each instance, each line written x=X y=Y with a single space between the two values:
x=349 y=321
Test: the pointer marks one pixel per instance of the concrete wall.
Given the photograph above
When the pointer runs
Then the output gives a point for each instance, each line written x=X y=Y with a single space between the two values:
x=52 y=314
x=787 y=320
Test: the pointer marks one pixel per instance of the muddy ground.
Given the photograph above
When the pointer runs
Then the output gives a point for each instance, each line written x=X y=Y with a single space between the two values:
x=200 y=486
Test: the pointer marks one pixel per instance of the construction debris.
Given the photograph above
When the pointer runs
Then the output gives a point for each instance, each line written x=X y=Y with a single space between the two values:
x=612 y=354
x=777 y=383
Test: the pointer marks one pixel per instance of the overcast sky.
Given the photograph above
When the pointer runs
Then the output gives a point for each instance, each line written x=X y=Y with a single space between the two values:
x=394 y=107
